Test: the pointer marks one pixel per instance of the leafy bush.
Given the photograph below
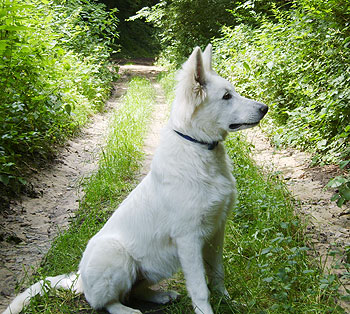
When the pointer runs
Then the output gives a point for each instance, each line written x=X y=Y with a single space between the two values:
x=184 y=24
x=300 y=67
x=53 y=75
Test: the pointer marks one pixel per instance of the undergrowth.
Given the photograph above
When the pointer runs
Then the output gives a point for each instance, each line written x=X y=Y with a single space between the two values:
x=119 y=162
x=298 y=65
x=53 y=75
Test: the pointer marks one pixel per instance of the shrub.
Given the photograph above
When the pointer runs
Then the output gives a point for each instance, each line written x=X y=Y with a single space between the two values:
x=184 y=24
x=299 y=66
x=53 y=75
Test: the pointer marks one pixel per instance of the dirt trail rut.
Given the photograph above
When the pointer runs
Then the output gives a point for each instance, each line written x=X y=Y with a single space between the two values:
x=328 y=226
x=28 y=225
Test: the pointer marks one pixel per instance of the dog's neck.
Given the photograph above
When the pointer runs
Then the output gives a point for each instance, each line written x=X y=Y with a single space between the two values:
x=210 y=146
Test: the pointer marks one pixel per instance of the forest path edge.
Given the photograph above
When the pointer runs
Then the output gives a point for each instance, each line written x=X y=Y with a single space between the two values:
x=328 y=226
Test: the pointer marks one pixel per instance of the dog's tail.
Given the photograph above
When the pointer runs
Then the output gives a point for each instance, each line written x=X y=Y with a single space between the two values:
x=68 y=282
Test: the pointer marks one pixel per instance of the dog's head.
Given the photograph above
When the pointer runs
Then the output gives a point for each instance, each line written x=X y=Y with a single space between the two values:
x=206 y=106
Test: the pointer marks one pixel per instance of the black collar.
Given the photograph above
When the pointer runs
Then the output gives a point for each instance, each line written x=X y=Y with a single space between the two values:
x=210 y=146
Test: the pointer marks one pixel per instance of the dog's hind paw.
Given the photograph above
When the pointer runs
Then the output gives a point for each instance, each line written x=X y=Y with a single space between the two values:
x=157 y=296
x=118 y=308
x=163 y=297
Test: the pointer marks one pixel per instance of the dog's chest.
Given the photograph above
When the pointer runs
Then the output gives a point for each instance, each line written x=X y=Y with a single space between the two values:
x=206 y=190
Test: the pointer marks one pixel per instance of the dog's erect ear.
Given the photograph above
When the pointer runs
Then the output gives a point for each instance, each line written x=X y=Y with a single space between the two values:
x=190 y=90
x=199 y=74
x=193 y=69
x=207 y=57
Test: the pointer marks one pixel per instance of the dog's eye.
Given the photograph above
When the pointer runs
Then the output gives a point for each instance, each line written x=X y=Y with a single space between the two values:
x=227 y=96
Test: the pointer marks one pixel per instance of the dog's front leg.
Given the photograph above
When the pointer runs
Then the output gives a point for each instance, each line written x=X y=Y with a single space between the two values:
x=191 y=258
x=213 y=249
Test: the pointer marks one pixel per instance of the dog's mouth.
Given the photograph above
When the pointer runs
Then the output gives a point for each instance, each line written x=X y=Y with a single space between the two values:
x=244 y=125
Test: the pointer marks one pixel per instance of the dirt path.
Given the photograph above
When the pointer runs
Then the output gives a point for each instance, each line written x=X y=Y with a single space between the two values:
x=29 y=225
x=328 y=225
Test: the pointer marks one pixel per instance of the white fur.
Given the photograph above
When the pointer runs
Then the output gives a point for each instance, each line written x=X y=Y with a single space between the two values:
x=176 y=215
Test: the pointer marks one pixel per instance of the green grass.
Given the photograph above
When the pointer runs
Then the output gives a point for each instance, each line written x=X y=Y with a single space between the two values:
x=120 y=160
x=266 y=254
x=267 y=261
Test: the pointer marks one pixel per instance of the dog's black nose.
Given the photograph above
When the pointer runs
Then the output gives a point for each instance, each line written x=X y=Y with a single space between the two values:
x=264 y=109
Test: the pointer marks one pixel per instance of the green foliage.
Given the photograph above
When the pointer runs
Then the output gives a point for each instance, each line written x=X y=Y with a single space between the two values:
x=266 y=253
x=137 y=38
x=300 y=67
x=336 y=13
x=53 y=75
x=342 y=186
x=183 y=24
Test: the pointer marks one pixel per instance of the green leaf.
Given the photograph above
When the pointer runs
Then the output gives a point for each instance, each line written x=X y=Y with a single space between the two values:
x=5 y=179
x=22 y=181
x=340 y=202
x=265 y=251
x=344 y=191
x=246 y=66
x=268 y=279
x=336 y=182
x=3 y=44
x=335 y=197
x=343 y=164
x=13 y=28
x=270 y=65
x=68 y=108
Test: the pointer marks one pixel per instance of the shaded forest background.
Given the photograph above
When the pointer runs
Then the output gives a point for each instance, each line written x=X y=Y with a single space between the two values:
x=56 y=68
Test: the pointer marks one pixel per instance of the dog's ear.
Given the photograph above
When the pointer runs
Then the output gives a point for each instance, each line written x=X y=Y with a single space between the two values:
x=199 y=73
x=190 y=90
x=207 y=57
x=193 y=68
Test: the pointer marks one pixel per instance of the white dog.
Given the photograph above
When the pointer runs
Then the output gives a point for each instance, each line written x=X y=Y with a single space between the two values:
x=176 y=215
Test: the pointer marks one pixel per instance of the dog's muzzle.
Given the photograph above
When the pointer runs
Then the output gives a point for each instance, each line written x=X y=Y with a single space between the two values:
x=263 y=111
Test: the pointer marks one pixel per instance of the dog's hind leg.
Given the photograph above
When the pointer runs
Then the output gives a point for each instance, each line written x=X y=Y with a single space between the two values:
x=118 y=308
x=108 y=273
x=142 y=291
